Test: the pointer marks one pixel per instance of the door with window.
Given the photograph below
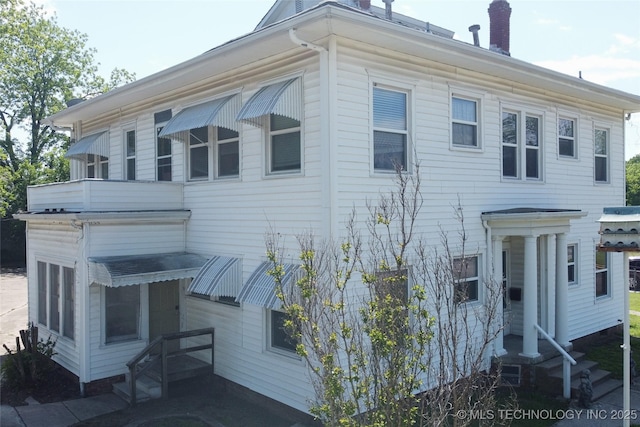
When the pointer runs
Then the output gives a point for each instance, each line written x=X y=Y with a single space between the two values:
x=164 y=311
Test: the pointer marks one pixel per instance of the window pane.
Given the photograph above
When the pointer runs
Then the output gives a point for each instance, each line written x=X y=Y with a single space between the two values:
x=509 y=128
x=566 y=147
x=42 y=293
x=389 y=150
x=279 y=122
x=285 y=152
x=224 y=133
x=164 y=169
x=601 y=169
x=601 y=141
x=228 y=159
x=199 y=162
x=533 y=131
x=565 y=127
x=509 y=161
x=104 y=170
x=279 y=336
x=464 y=134
x=164 y=146
x=91 y=171
x=601 y=284
x=69 y=301
x=199 y=136
x=389 y=109
x=131 y=169
x=532 y=164
x=571 y=273
x=601 y=260
x=131 y=143
x=464 y=109
x=122 y=313
x=54 y=299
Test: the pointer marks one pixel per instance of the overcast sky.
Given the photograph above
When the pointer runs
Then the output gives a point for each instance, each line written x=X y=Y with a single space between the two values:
x=600 y=39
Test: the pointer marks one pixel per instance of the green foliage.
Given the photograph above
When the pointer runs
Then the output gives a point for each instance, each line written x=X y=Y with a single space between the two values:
x=633 y=181
x=29 y=365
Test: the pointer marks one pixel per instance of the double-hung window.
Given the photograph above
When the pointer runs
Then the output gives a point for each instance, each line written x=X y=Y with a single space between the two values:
x=97 y=166
x=390 y=129
x=130 y=154
x=464 y=122
x=56 y=298
x=572 y=251
x=163 y=147
x=466 y=279
x=601 y=150
x=521 y=145
x=122 y=313
x=279 y=337
x=602 y=274
x=284 y=144
x=567 y=137
x=227 y=152
x=199 y=153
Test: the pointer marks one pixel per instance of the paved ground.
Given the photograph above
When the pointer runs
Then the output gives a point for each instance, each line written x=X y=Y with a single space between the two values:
x=13 y=306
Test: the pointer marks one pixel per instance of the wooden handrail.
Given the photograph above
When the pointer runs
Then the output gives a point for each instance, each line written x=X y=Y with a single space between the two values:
x=162 y=341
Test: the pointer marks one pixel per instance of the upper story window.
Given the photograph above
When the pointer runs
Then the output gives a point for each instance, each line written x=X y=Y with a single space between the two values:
x=199 y=153
x=567 y=137
x=130 y=155
x=163 y=147
x=97 y=166
x=521 y=145
x=464 y=122
x=466 y=278
x=227 y=152
x=284 y=151
x=56 y=298
x=390 y=129
x=602 y=274
x=601 y=151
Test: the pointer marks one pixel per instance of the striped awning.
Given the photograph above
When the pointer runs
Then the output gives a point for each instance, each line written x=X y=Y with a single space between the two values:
x=260 y=289
x=219 y=277
x=115 y=271
x=283 y=98
x=97 y=143
x=219 y=112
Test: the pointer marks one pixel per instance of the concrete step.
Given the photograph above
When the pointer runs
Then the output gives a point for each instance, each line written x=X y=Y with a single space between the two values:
x=122 y=389
x=604 y=388
x=556 y=362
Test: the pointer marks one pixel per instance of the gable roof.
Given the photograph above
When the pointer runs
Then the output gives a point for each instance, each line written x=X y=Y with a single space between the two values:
x=315 y=25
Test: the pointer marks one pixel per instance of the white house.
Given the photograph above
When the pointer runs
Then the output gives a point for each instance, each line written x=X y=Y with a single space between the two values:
x=178 y=175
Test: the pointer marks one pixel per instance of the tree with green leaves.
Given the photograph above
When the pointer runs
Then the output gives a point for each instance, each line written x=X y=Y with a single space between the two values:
x=383 y=321
x=633 y=181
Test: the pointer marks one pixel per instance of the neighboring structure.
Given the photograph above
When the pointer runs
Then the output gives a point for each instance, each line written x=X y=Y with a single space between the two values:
x=180 y=174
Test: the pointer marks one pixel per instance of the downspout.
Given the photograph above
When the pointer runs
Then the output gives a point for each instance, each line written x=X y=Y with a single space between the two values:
x=326 y=129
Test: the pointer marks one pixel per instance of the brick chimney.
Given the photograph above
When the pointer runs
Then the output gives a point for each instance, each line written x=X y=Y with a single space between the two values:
x=365 y=4
x=499 y=14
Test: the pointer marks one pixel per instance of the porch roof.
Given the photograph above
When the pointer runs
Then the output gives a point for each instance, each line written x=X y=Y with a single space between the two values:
x=530 y=221
x=115 y=271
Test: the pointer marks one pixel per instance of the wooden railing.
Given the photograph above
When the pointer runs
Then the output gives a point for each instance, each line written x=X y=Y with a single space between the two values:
x=162 y=342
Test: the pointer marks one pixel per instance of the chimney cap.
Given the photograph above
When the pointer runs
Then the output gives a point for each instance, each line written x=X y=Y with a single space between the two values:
x=474 y=28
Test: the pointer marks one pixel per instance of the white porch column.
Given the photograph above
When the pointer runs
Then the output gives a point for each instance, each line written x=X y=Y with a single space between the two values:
x=562 y=291
x=530 y=298
x=497 y=281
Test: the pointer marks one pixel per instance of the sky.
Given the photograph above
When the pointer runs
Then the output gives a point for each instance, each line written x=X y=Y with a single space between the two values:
x=599 y=39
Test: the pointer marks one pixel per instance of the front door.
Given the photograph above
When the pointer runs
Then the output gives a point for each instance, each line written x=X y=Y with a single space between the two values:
x=164 y=311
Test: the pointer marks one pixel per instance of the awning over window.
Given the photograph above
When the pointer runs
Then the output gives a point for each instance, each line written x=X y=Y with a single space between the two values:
x=128 y=270
x=219 y=112
x=97 y=143
x=283 y=98
x=260 y=289
x=219 y=277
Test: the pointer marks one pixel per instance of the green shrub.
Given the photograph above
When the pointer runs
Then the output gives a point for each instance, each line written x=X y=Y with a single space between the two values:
x=26 y=367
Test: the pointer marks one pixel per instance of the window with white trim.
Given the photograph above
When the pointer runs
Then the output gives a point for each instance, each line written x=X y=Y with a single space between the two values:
x=199 y=153
x=567 y=137
x=601 y=152
x=227 y=153
x=602 y=274
x=572 y=251
x=390 y=128
x=56 y=298
x=163 y=147
x=521 y=145
x=284 y=154
x=464 y=122
x=130 y=154
x=97 y=166
x=279 y=338
x=466 y=279
x=122 y=313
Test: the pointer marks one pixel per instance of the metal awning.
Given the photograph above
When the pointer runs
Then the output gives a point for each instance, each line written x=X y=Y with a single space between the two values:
x=283 y=98
x=219 y=112
x=97 y=143
x=260 y=289
x=219 y=277
x=115 y=271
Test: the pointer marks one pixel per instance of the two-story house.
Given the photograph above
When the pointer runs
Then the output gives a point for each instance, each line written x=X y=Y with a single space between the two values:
x=177 y=176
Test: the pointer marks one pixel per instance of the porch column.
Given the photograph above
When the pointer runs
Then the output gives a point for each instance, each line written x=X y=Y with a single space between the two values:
x=530 y=298
x=562 y=291
x=496 y=281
